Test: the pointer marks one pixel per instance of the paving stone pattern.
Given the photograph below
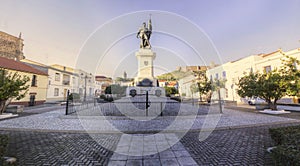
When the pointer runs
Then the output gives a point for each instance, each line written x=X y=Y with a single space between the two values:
x=237 y=140
x=159 y=149
x=244 y=146
x=57 y=148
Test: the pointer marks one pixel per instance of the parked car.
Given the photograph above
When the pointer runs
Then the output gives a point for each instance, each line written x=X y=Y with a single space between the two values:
x=256 y=100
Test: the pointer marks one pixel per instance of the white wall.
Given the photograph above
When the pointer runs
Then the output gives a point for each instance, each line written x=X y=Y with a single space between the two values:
x=237 y=69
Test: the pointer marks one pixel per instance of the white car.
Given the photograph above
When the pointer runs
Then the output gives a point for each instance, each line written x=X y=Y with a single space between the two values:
x=255 y=100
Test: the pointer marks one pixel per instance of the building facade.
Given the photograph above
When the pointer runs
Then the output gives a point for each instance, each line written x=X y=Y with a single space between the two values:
x=37 y=85
x=11 y=47
x=62 y=78
x=184 y=85
x=233 y=71
x=104 y=81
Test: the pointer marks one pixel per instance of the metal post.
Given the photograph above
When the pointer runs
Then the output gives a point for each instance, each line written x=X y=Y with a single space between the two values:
x=67 y=105
x=220 y=104
x=192 y=99
x=219 y=96
x=84 y=97
x=147 y=103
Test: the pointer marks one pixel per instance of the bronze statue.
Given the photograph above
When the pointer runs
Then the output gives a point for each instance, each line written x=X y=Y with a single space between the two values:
x=144 y=34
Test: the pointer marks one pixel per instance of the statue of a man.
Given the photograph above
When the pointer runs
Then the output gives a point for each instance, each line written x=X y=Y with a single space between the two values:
x=144 y=34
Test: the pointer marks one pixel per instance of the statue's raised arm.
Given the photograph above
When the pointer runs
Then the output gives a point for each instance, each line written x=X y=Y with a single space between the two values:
x=144 y=34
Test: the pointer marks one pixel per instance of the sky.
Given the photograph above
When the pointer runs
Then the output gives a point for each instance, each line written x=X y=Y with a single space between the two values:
x=99 y=36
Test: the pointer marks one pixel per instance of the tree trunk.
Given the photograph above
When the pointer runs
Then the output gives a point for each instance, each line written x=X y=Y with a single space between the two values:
x=200 y=96
x=273 y=105
x=7 y=102
x=2 y=106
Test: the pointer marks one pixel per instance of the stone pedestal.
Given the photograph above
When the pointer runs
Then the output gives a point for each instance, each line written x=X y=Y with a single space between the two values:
x=154 y=91
x=145 y=65
x=145 y=80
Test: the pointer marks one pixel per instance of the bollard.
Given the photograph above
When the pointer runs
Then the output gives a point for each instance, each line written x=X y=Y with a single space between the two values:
x=147 y=103
x=67 y=104
x=161 y=109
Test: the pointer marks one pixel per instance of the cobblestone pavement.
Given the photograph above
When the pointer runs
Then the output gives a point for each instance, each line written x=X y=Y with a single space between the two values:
x=158 y=149
x=242 y=146
x=52 y=138
x=58 y=148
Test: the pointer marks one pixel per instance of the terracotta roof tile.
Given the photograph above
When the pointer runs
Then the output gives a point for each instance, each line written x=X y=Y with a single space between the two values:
x=18 y=66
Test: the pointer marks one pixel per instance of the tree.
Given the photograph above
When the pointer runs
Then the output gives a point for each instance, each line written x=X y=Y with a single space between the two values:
x=12 y=86
x=170 y=91
x=247 y=85
x=115 y=89
x=269 y=86
x=291 y=75
x=274 y=85
x=202 y=84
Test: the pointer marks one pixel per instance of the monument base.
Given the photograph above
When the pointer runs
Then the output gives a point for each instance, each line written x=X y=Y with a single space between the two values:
x=145 y=65
x=132 y=91
x=139 y=81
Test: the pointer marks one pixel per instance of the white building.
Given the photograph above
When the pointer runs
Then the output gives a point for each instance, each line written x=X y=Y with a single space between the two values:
x=233 y=71
x=86 y=84
x=62 y=78
x=184 y=87
x=185 y=83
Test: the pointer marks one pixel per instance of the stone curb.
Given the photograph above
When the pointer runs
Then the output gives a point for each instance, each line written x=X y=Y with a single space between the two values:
x=295 y=122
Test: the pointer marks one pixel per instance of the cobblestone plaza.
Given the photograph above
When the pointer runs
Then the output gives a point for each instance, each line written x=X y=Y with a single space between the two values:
x=53 y=138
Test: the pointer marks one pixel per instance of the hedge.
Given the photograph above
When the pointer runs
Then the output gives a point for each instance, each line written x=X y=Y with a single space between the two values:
x=3 y=145
x=287 y=140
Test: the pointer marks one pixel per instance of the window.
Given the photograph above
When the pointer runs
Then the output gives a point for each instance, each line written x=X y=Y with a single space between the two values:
x=211 y=78
x=66 y=79
x=224 y=74
x=217 y=76
x=33 y=81
x=267 y=69
x=74 y=80
x=57 y=77
x=56 y=91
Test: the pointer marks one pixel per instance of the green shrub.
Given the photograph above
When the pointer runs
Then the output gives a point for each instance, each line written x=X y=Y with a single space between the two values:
x=75 y=96
x=3 y=145
x=287 y=140
x=102 y=96
x=177 y=98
